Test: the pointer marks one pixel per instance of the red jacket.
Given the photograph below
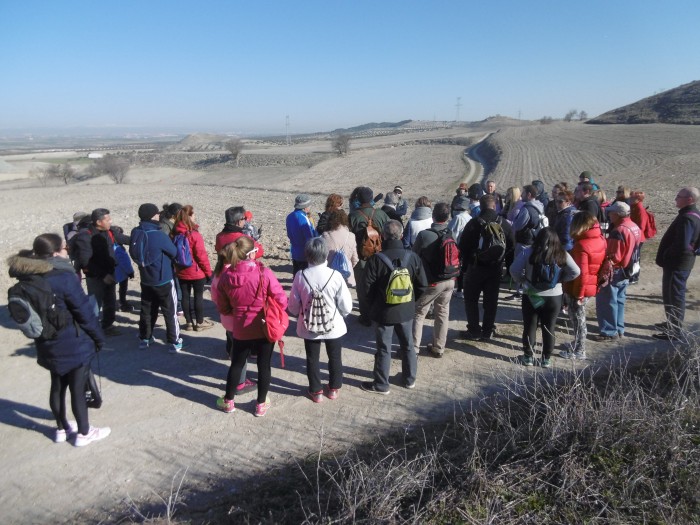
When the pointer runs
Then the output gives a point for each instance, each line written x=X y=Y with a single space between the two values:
x=238 y=297
x=588 y=252
x=640 y=217
x=229 y=234
x=623 y=239
x=200 y=266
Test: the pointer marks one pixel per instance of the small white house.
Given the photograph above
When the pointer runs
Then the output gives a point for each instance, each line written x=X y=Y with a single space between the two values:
x=95 y=155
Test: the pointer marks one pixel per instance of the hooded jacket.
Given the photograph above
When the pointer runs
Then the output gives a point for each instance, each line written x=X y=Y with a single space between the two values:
x=75 y=344
x=562 y=225
x=201 y=268
x=161 y=252
x=588 y=253
x=238 y=297
x=230 y=234
x=92 y=251
x=527 y=221
x=421 y=219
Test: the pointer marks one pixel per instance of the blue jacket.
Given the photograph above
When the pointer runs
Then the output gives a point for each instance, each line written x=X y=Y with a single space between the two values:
x=299 y=230
x=562 y=225
x=161 y=253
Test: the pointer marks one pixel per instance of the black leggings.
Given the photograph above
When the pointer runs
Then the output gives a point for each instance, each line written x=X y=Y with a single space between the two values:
x=75 y=380
x=239 y=355
x=546 y=315
x=193 y=310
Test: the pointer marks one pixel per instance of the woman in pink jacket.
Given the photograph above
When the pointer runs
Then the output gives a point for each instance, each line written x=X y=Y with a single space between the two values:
x=192 y=279
x=588 y=253
x=242 y=289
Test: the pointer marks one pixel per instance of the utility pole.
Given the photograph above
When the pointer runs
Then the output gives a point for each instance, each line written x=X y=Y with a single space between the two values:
x=458 y=105
x=289 y=139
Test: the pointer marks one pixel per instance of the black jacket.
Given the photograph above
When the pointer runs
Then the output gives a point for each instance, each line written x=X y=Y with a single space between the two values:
x=469 y=242
x=377 y=278
x=92 y=251
x=676 y=249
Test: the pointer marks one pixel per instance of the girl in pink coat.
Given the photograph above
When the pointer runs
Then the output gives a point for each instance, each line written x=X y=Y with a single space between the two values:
x=242 y=289
x=192 y=279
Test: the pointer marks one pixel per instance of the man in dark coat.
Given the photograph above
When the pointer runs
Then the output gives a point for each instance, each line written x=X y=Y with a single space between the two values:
x=676 y=256
x=392 y=317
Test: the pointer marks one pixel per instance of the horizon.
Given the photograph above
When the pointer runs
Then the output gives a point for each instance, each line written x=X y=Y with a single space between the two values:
x=243 y=69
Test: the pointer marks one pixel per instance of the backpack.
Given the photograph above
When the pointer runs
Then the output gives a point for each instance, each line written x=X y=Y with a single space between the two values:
x=275 y=319
x=399 y=289
x=32 y=305
x=138 y=248
x=633 y=267
x=545 y=276
x=650 y=230
x=369 y=240
x=183 y=257
x=318 y=318
x=540 y=222
x=492 y=243
x=444 y=264
x=340 y=263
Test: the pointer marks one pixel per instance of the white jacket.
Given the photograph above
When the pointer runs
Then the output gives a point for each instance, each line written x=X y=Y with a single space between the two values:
x=336 y=293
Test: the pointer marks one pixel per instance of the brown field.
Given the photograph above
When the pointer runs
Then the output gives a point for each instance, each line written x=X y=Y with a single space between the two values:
x=161 y=407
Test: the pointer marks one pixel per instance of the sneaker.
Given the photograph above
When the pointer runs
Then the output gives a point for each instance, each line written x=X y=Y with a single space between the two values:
x=316 y=397
x=180 y=313
x=144 y=344
x=458 y=293
x=546 y=363
x=517 y=296
x=369 y=386
x=246 y=386
x=602 y=338
x=176 y=348
x=333 y=393
x=566 y=355
x=410 y=386
x=662 y=326
x=95 y=434
x=471 y=336
x=564 y=310
x=111 y=331
x=62 y=434
x=433 y=352
x=188 y=327
x=262 y=408
x=527 y=360
x=227 y=405
x=204 y=325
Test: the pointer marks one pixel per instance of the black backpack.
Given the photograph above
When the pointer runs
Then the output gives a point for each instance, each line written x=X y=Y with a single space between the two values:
x=492 y=242
x=32 y=305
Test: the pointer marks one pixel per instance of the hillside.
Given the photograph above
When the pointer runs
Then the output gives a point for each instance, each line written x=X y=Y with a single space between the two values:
x=680 y=105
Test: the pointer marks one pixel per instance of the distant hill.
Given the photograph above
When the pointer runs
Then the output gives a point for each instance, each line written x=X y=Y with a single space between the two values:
x=680 y=105
x=371 y=125
x=200 y=142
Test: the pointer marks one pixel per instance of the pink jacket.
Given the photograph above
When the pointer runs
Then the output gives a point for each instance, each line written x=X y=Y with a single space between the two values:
x=237 y=297
x=226 y=320
x=201 y=267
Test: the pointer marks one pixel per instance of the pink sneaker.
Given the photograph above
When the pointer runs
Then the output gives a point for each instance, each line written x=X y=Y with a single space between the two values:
x=226 y=405
x=95 y=434
x=333 y=393
x=262 y=408
x=246 y=386
x=316 y=397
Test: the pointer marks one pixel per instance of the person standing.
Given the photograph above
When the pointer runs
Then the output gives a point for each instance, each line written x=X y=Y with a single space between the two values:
x=153 y=252
x=67 y=356
x=491 y=190
x=428 y=246
x=482 y=268
x=193 y=278
x=421 y=218
x=622 y=243
x=93 y=254
x=318 y=277
x=299 y=230
x=402 y=206
x=640 y=216
x=333 y=202
x=676 y=256
x=390 y=318
x=526 y=225
x=235 y=220
x=565 y=213
x=338 y=238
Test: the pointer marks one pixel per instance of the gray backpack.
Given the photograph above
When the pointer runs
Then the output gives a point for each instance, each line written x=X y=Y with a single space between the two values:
x=318 y=314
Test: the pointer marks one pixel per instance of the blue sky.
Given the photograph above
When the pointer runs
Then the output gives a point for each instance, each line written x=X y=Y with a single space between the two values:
x=235 y=66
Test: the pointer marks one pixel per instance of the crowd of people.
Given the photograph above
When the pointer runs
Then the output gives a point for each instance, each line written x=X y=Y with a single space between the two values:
x=555 y=254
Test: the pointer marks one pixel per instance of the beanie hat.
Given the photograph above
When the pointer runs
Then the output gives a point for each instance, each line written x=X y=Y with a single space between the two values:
x=248 y=216
x=302 y=201
x=148 y=211
x=365 y=195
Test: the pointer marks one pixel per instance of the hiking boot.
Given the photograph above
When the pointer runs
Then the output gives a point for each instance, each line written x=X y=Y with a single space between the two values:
x=176 y=348
x=111 y=331
x=188 y=327
x=471 y=336
x=432 y=351
x=246 y=386
x=527 y=360
x=144 y=344
x=602 y=338
x=262 y=408
x=204 y=325
x=63 y=434
x=333 y=393
x=94 y=434
x=316 y=397
x=369 y=386
x=546 y=362
x=226 y=405
x=564 y=354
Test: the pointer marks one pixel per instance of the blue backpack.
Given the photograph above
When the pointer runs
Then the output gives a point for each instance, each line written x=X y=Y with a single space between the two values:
x=138 y=249
x=183 y=258
x=545 y=276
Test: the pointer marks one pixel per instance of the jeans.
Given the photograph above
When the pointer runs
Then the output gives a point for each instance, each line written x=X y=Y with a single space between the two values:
x=480 y=279
x=153 y=297
x=382 y=359
x=546 y=316
x=335 y=363
x=106 y=297
x=673 y=286
x=610 y=306
x=577 y=316
x=440 y=294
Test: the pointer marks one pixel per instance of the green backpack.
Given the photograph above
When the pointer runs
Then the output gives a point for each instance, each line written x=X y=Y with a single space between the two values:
x=399 y=290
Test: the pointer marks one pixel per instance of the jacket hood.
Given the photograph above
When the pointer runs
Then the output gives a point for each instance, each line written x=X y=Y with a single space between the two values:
x=62 y=264
x=243 y=272
x=21 y=265
x=537 y=204
x=422 y=213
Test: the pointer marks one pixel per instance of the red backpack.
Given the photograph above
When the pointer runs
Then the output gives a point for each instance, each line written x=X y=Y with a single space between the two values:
x=275 y=318
x=650 y=230
x=444 y=264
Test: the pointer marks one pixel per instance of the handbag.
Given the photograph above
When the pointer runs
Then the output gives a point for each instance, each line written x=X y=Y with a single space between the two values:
x=275 y=319
x=606 y=273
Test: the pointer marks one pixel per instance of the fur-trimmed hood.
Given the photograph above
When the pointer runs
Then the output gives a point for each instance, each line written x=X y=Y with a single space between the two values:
x=21 y=265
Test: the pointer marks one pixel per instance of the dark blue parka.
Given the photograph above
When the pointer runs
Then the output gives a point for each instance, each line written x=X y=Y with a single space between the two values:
x=75 y=344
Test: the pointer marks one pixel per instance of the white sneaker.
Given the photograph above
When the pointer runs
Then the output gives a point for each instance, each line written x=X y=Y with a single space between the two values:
x=62 y=435
x=95 y=434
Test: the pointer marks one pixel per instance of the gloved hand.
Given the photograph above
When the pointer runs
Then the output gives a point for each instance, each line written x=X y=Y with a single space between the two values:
x=208 y=280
